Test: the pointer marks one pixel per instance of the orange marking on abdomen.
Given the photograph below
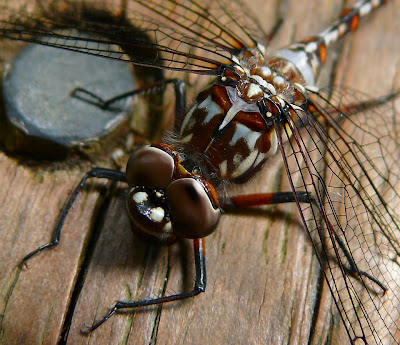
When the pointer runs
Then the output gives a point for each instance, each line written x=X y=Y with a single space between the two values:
x=322 y=52
x=344 y=12
x=354 y=22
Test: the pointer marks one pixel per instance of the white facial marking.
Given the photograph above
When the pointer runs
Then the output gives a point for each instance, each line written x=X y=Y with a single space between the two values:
x=168 y=227
x=157 y=214
x=139 y=197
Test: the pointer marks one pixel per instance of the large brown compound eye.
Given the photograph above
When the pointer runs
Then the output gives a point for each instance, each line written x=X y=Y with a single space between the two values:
x=150 y=167
x=192 y=213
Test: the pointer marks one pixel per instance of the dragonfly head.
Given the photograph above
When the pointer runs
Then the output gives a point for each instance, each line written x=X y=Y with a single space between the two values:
x=165 y=201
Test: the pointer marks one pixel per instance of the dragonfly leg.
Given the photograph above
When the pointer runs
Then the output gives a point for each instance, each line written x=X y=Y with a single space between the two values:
x=238 y=202
x=199 y=286
x=250 y=200
x=109 y=174
x=92 y=98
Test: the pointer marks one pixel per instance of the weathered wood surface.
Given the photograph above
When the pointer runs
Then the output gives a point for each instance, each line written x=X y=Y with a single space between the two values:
x=263 y=279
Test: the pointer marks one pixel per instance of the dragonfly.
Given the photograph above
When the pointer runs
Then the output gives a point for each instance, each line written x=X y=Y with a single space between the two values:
x=261 y=105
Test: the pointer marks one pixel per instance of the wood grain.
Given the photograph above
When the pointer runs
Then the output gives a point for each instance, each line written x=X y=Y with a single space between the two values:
x=263 y=279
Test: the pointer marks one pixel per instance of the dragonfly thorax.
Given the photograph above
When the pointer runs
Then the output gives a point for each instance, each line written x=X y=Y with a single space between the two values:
x=234 y=126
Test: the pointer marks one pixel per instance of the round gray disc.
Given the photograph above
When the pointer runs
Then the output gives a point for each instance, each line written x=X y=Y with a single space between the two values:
x=37 y=88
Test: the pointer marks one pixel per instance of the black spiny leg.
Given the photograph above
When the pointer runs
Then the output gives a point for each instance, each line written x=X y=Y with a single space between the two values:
x=96 y=100
x=199 y=286
x=238 y=202
x=109 y=174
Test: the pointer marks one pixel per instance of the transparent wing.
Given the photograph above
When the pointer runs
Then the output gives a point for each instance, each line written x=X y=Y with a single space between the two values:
x=199 y=37
x=348 y=159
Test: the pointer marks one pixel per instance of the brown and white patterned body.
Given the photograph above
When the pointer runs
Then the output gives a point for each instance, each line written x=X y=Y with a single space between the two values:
x=241 y=119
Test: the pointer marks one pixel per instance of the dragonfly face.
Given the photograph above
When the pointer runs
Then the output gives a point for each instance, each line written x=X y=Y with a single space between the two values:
x=166 y=201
